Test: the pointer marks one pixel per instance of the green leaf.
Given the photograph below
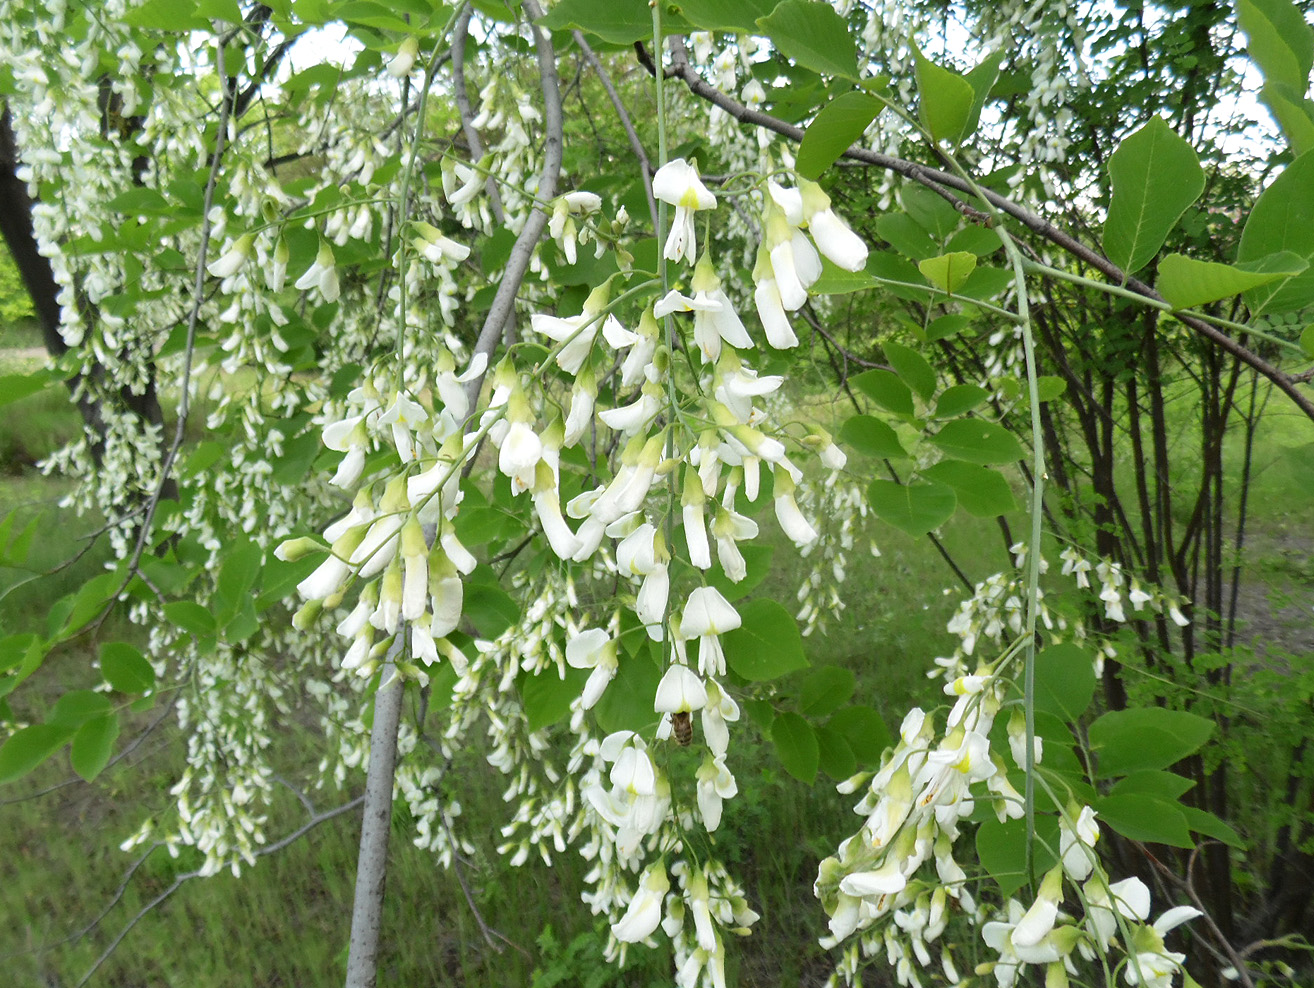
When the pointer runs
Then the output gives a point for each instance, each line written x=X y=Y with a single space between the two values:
x=1186 y=283
x=839 y=124
x=1002 y=849
x=299 y=453
x=619 y=23
x=1145 y=818
x=825 y=689
x=626 y=705
x=981 y=491
x=898 y=276
x=490 y=609
x=1293 y=113
x=1049 y=387
x=982 y=79
x=167 y=15
x=1146 y=737
x=191 y=617
x=141 y=200
x=125 y=668
x=946 y=326
x=1151 y=782
x=837 y=281
x=76 y=707
x=29 y=747
x=835 y=756
x=93 y=745
x=739 y=16
x=812 y=34
x=915 y=508
x=905 y=235
x=912 y=368
x=872 y=437
x=1283 y=220
x=948 y=272
x=1307 y=340
x=13 y=577
x=238 y=572
x=222 y=10
x=930 y=211
x=796 y=746
x=1204 y=822
x=767 y=645
x=1065 y=681
x=90 y=599
x=1278 y=40
x=14 y=387
x=884 y=388
x=945 y=99
x=757 y=560
x=978 y=441
x=15 y=648
x=1155 y=175
x=959 y=399
x=865 y=732
x=547 y=696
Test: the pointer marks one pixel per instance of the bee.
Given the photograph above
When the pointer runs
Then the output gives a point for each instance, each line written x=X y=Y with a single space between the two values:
x=682 y=727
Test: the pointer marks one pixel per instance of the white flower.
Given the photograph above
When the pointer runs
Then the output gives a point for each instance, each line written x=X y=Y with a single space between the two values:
x=708 y=613
x=841 y=245
x=436 y=248
x=578 y=332
x=677 y=183
x=415 y=581
x=798 y=529
x=403 y=415
x=348 y=436
x=715 y=783
x=1077 y=843
x=779 y=333
x=401 y=64
x=680 y=691
x=592 y=649
x=461 y=183
x=519 y=456
x=720 y=709
x=644 y=914
x=231 y=261
x=1128 y=898
x=323 y=274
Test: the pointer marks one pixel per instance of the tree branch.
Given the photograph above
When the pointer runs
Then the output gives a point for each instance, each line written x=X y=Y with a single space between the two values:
x=376 y=823
x=518 y=261
x=938 y=180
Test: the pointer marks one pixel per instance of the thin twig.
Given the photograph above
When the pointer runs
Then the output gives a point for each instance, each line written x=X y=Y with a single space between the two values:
x=636 y=145
x=193 y=317
x=188 y=876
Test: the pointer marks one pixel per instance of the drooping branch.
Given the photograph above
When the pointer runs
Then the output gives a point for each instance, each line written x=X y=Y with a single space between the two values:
x=938 y=180
x=636 y=145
